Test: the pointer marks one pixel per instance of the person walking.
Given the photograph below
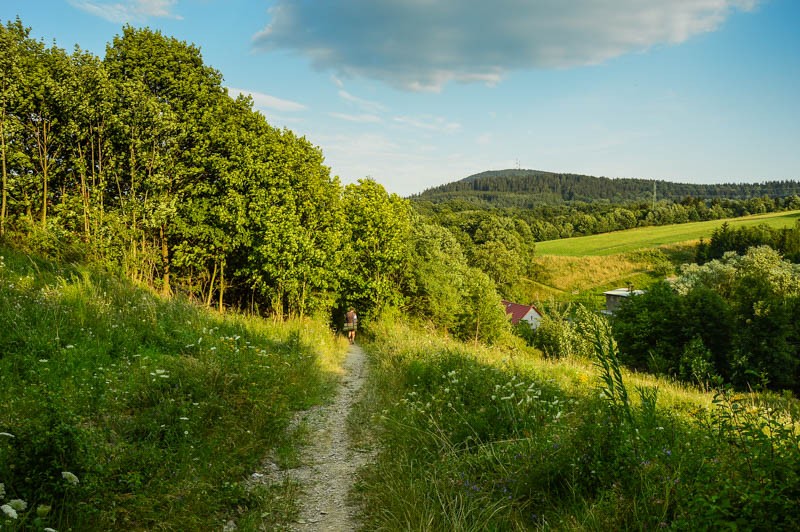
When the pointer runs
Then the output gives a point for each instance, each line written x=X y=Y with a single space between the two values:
x=350 y=324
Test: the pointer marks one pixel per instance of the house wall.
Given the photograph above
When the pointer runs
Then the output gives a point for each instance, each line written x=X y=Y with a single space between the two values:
x=533 y=318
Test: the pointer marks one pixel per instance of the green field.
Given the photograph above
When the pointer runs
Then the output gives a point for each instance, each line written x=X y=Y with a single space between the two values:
x=650 y=237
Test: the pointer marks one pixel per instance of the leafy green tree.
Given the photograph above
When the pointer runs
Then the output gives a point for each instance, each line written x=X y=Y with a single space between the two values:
x=167 y=95
x=294 y=226
x=376 y=256
x=736 y=318
x=13 y=38
x=439 y=270
x=482 y=317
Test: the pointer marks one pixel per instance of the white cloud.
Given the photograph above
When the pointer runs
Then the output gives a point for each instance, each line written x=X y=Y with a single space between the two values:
x=265 y=101
x=429 y=123
x=366 y=105
x=362 y=119
x=422 y=45
x=130 y=11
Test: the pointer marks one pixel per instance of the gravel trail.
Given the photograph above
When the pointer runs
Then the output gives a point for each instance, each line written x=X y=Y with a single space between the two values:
x=328 y=462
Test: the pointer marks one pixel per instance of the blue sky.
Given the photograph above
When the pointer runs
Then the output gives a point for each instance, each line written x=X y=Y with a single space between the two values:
x=416 y=93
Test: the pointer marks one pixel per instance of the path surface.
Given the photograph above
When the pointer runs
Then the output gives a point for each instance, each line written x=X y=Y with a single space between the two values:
x=329 y=463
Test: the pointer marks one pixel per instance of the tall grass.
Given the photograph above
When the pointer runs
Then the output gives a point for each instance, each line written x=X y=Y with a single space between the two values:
x=121 y=410
x=493 y=439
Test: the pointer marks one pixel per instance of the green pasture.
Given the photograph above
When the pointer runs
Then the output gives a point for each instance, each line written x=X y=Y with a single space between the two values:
x=650 y=237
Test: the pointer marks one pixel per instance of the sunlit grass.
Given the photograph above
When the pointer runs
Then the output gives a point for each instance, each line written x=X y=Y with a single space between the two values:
x=128 y=411
x=502 y=439
x=649 y=237
x=575 y=274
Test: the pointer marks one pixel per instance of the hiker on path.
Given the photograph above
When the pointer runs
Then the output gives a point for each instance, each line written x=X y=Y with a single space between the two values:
x=350 y=324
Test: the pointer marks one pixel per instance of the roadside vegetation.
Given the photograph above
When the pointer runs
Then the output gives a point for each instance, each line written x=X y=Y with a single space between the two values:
x=123 y=410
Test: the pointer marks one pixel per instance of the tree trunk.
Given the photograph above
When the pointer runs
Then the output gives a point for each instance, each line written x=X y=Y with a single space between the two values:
x=84 y=195
x=211 y=285
x=166 y=288
x=44 y=162
x=221 y=285
x=3 y=207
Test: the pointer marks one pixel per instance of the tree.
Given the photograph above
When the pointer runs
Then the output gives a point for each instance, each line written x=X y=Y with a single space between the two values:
x=294 y=226
x=377 y=232
x=482 y=317
x=166 y=95
x=13 y=37
x=439 y=271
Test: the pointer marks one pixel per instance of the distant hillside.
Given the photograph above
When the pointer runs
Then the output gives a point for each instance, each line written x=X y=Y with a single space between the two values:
x=528 y=188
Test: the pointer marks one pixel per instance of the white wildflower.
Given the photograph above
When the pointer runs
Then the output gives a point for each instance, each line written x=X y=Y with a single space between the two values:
x=69 y=477
x=7 y=435
x=9 y=511
x=18 y=504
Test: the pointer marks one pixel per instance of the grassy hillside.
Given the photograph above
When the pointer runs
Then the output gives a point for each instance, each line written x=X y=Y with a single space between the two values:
x=649 y=237
x=121 y=410
x=501 y=439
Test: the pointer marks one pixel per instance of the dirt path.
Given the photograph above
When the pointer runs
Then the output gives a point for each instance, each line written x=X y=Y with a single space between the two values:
x=329 y=463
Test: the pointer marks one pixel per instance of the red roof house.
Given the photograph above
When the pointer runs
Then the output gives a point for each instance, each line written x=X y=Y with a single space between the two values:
x=526 y=313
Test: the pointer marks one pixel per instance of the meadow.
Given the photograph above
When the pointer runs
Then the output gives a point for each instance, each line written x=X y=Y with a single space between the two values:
x=503 y=439
x=582 y=268
x=620 y=242
x=123 y=410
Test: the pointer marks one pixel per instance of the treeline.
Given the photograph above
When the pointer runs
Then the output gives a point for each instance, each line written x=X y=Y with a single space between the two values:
x=724 y=239
x=527 y=188
x=141 y=161
x=579 y=218
x=732 y=320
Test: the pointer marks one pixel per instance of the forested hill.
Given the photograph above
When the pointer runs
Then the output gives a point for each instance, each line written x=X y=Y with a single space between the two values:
x=528 y=188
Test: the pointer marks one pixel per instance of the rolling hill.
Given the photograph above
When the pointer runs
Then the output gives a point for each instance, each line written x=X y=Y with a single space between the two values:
x=528 y=188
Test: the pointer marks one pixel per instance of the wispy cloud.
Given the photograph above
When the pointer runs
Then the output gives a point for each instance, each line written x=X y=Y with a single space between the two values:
x=366 y=105
x=130 y=11
x=422 y=45
x=361 y=119
x=265 y=101
x=429 y=123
